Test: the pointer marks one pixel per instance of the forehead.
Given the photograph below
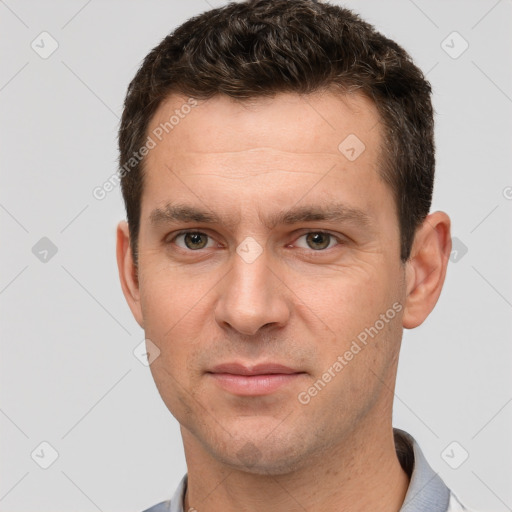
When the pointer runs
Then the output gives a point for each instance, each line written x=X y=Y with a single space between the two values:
x=315 y=123
x=238 y=150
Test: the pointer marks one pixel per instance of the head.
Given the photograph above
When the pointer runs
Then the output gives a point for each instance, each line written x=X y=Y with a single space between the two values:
x=295 y=144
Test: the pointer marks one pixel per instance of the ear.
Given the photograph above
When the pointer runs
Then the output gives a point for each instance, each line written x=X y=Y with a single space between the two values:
x=128 y=272
x=426 y=268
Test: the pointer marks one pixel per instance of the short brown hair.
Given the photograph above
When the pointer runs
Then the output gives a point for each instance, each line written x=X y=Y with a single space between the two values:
x=263 y=47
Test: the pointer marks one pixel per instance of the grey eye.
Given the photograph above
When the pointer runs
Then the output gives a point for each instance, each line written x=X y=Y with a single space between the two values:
x=193 y=240
x=318 y=240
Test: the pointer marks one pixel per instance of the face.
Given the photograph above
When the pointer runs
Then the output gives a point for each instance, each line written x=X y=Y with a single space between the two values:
x=269 y=275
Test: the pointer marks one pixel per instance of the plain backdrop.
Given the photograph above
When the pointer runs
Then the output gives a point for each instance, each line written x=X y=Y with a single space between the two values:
x=69 y=377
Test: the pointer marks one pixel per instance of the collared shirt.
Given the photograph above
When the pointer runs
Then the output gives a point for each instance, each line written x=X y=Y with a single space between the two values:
x=426 y=492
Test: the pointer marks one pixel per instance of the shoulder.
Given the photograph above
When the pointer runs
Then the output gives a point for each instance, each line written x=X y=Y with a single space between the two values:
x=164 y=506
x=175 y=504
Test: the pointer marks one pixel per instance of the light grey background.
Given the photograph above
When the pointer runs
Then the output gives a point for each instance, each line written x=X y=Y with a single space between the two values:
x=68 y=373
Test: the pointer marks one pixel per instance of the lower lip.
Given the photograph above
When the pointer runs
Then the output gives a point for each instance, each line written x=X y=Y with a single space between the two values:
x=254 y=385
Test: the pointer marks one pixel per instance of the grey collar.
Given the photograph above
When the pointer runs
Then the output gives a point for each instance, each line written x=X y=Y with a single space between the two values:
x=426 y=492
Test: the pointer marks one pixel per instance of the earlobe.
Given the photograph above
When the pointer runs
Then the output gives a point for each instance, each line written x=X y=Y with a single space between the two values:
x=127 y=272
x=426 y=268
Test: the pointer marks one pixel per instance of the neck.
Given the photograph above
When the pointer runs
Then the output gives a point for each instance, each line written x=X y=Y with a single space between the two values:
x=360 y=473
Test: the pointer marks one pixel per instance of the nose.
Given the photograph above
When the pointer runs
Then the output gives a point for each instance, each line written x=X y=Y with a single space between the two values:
x=252 y=296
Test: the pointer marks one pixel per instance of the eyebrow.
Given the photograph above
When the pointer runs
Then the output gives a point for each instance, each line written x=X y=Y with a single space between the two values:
x=334 y=212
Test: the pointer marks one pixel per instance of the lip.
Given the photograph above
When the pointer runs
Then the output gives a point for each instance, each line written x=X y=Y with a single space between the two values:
x=257 y=380
x=259 y=369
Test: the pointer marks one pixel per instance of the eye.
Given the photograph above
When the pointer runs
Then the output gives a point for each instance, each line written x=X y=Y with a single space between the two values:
x=318 y=240
x=192 y=240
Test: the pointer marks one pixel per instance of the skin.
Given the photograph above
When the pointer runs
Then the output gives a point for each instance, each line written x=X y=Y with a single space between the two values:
x=300 y=303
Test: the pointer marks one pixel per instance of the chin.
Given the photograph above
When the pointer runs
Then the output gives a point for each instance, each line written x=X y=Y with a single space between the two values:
x=265 y=457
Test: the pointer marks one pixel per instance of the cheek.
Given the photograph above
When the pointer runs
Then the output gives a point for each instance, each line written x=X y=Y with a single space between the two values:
x=169 y=294
x=171 y=322
x=174 y=312
x=345 y=300
x=345 y=311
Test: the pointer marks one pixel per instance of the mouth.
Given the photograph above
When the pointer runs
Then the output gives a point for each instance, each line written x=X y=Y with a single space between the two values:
x=258 y=380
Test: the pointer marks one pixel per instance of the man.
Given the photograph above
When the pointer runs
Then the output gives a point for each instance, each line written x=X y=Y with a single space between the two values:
x=277 y=165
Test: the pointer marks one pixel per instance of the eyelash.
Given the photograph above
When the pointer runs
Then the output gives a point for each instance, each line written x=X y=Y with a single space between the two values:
x=320 y=232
